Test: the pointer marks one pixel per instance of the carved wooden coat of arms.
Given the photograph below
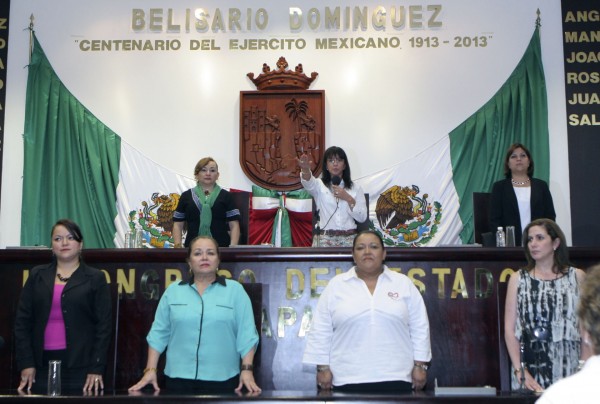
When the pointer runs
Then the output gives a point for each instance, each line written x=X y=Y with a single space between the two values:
x=278 y=123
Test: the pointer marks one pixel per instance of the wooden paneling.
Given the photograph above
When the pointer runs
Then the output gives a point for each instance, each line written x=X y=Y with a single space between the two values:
x=460 y=287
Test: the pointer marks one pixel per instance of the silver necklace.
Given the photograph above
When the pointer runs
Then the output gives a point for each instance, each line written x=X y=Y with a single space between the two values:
x=520 y=182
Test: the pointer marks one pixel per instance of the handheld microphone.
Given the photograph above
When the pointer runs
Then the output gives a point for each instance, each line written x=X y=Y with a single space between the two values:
x=336 y=180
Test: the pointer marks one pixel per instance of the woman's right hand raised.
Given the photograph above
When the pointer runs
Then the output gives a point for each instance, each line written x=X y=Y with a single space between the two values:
x=304 y=162
x=149 y=377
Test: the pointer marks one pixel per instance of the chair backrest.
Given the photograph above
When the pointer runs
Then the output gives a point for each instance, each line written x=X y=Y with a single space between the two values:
x=481 y=218
x=241 y=200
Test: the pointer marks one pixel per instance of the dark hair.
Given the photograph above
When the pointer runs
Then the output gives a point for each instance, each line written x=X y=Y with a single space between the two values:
x=338 y=152
x=509 y=153
x=561 y=254
x=72 y=228
x=203 y=162
x=367 y=232
x=206 y=238
x=588 y=309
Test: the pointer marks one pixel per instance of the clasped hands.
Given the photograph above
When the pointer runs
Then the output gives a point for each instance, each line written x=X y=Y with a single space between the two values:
x=325 y=379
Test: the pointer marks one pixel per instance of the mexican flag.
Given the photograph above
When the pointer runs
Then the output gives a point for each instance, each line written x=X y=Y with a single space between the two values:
x=427 y=199
x=76 y=167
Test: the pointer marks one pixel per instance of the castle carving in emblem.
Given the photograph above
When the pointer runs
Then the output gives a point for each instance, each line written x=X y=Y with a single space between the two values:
x=279 y=123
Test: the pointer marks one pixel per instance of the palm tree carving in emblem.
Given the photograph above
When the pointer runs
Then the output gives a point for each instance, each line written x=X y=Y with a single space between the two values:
x=305 y=125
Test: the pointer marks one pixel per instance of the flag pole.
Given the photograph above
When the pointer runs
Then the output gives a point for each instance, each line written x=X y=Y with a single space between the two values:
x=31 y=18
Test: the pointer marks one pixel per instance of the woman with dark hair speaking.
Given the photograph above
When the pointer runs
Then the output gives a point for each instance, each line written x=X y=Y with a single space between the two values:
x=340 y=202
x=519 y=198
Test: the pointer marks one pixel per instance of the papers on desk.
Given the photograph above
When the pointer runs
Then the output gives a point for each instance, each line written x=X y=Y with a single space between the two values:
x=464 y=391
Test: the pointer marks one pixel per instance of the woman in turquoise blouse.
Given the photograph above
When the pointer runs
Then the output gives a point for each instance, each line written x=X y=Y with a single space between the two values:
x=206 y=326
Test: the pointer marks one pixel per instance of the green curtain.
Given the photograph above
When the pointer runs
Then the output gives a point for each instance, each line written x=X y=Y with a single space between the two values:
x=71 y=162
x=518 y=112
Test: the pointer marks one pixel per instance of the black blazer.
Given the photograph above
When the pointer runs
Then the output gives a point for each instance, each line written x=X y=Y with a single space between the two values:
x=87 y=314
x=504 y=209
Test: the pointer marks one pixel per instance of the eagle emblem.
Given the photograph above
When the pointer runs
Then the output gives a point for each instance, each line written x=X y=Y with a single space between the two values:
x=406 y=219
x=155 y=219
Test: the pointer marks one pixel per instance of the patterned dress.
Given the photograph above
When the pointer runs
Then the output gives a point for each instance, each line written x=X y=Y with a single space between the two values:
x=546 y=310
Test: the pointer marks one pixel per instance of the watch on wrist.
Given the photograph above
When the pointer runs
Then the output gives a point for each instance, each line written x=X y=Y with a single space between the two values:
x=422 y=366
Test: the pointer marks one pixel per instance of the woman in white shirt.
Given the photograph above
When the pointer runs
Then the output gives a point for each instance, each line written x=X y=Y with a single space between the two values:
x=370 y=331
x=340 y=202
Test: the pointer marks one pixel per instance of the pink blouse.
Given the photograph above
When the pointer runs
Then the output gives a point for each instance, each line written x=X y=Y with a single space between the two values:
x=55 y=337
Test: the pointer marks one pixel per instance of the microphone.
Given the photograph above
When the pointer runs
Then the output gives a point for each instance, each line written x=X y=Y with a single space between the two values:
x=336 y=180
x=318 y=228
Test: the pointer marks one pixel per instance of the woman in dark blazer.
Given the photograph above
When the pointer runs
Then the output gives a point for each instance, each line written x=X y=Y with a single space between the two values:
x=519 y=198
x=64 y=313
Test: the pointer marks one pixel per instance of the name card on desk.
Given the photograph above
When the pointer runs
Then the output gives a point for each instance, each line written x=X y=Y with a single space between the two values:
x=464 y=391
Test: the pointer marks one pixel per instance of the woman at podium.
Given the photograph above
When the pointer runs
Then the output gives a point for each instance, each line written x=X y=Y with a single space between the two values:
x=206 y=209
x=519 y=198
x=340 y=202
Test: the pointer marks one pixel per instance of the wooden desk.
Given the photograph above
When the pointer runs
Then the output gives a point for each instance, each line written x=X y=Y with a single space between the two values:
x=459 y=286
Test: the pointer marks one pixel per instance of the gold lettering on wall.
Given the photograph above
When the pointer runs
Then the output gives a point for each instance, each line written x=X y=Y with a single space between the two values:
x=306 y=321
x=150 y=290
x=441 y=273
x=246 y=276
x=481 y=274
x=459 y=286
x=126 y=284
x=287 y=317
x=314 y=282
x=506 y=273
x=266 y=323
x=290 y=292
x=415 y=273
x=172 y=275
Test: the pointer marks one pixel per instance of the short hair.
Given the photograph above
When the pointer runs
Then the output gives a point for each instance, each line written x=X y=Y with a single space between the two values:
x=203 y=163
x=338 y=152
x=561 y=254
x=509 y=153
x=368 y=232
x=72 y=228
x=588 y=309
